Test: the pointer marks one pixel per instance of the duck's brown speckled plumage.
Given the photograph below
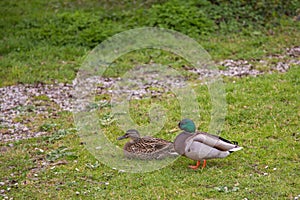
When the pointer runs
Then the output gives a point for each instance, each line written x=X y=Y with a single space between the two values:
x=146 y=147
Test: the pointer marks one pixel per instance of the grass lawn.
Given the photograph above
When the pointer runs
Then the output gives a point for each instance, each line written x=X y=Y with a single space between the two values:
x=263 y=117
x=263 y=112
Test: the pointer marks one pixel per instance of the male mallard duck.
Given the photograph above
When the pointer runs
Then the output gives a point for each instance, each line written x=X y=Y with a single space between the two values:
x=200 y=145
x=146 y=147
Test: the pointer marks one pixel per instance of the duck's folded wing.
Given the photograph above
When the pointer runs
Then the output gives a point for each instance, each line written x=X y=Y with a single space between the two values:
x=219 y=137
x=214 y=141
x=154 y=144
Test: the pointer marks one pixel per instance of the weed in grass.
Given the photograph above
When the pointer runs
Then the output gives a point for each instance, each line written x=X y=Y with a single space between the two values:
x=60 y=152
x=47 y=127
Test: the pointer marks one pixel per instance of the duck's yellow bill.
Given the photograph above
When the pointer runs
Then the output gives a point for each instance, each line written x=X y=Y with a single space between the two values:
x=174 y=130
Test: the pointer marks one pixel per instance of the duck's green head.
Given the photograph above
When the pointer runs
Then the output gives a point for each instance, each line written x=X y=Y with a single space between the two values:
x=131 y=133
x=187 y=125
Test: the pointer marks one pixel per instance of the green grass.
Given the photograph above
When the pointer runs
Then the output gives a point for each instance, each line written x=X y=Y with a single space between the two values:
x=50 y=40
x=49 y=63
x=263 y=117
x=46 y=42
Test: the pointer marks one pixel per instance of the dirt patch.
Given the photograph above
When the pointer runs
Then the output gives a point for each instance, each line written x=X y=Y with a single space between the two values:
x=19 y=101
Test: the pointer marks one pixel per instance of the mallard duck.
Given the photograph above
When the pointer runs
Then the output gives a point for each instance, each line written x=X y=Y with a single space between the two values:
x=146 y=147
x=201 y=146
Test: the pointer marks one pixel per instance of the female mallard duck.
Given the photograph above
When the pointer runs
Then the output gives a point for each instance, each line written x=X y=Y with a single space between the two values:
x=200 y=145
x=146 y=147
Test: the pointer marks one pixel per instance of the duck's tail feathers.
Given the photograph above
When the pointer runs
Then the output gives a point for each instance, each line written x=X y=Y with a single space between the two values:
x=235 y=149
